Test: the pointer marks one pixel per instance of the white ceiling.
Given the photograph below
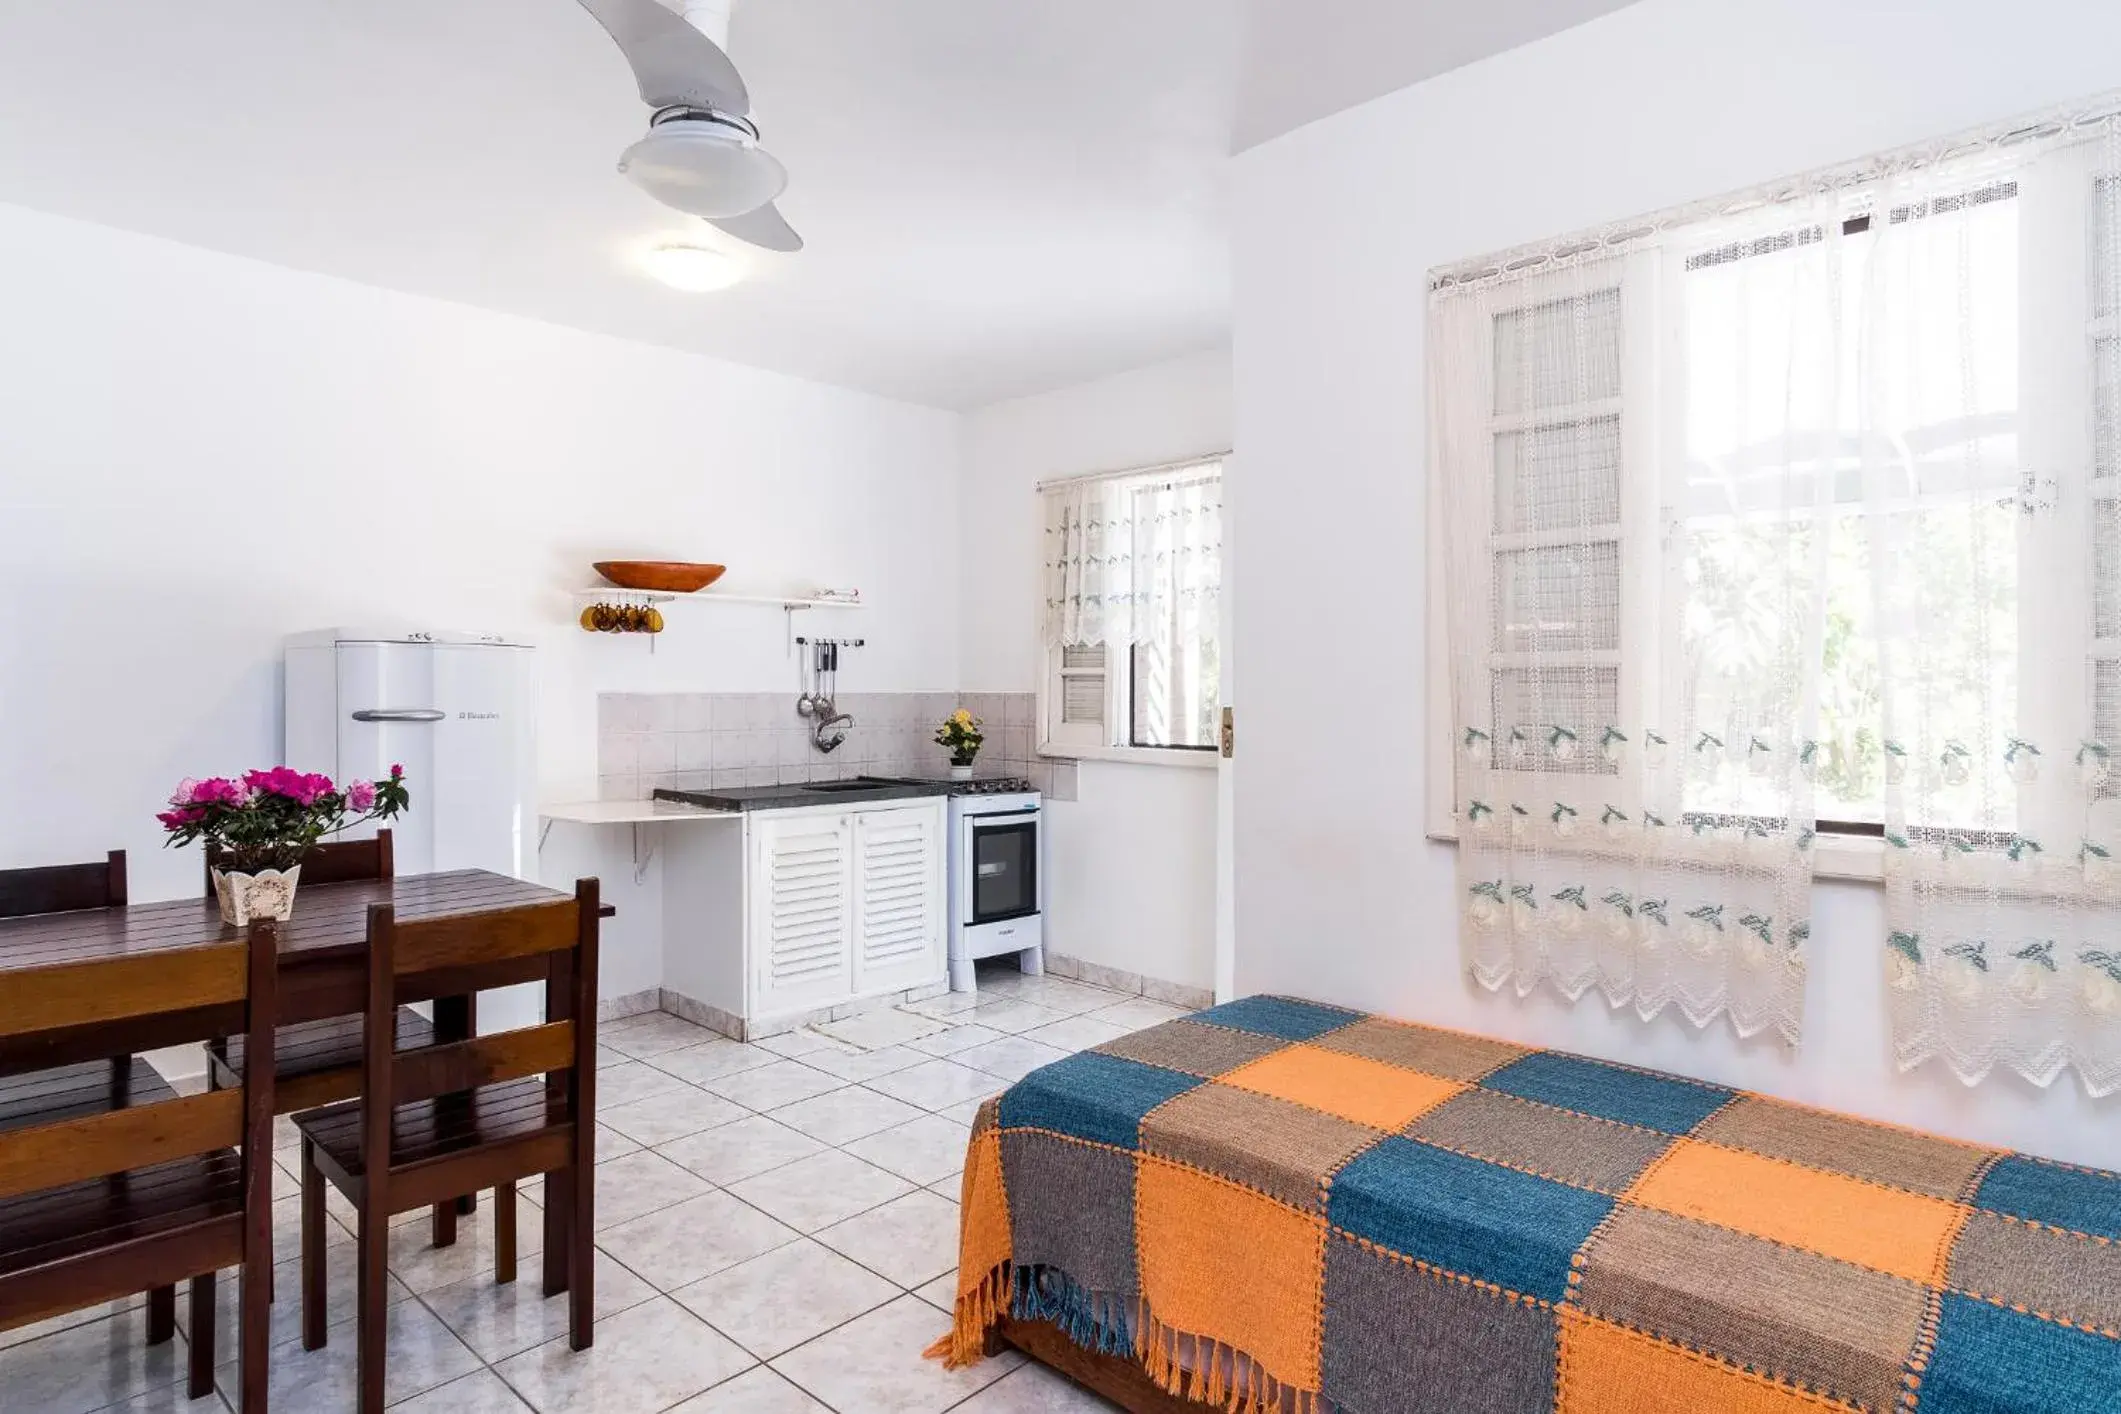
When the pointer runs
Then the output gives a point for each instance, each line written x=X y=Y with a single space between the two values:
x=1000 y=196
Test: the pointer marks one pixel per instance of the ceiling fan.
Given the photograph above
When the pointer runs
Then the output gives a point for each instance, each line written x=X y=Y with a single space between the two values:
x=701 y=154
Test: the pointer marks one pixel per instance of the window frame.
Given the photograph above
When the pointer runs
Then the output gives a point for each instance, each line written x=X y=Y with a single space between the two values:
x=2059 y=334
x=1111 y=739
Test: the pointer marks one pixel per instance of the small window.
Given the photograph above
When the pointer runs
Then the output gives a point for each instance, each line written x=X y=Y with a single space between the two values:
x=1133 y=612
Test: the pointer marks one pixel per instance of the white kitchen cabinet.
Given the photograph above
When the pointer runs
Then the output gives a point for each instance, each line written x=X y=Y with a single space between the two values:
x=842 y=904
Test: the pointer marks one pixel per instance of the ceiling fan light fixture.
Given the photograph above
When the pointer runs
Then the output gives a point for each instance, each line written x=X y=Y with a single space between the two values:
x=704 y=166
x=695 y=269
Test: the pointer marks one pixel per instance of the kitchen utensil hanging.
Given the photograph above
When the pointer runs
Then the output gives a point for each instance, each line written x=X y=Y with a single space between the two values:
x=832 y=725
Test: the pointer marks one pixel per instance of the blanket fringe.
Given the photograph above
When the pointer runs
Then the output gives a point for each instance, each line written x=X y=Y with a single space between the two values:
x=1216 y=1375
x=979 y=1311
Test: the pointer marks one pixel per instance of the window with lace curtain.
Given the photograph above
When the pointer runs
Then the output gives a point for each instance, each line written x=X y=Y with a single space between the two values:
x=1133 y=581
x=1783 y=534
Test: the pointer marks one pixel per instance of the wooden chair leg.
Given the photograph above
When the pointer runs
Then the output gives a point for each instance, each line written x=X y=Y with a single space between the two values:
x=374 y=1283
x=161 y=1314
x=504 y=1233
x=558 y=1204
x=581 y=1251
x=313 y=1302
x=202 y=1336
x=445 y=1224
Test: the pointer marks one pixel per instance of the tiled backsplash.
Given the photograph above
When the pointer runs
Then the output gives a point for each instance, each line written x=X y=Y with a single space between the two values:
x=703 y=741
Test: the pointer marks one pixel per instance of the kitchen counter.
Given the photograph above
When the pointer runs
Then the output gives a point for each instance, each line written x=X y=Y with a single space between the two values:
x=859 y=791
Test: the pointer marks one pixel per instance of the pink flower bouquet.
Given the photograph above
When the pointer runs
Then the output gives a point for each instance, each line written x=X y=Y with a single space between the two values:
x=269 y=819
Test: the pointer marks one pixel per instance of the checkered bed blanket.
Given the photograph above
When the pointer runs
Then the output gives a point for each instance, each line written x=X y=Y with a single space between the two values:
x=1279 y=1205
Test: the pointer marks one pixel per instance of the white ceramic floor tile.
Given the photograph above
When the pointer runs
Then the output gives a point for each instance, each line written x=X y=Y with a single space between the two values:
x=500 y=1321
x=964 y=1112
x=340 y=1289
x=1077 y=1033
x=640 y=1184
x=170 y=1399
x=1136 y=1013
x=844 y=1115
x=938 y=1084
x=771 y=1086
x=957 y=1038
x=697 y=1065
x=1034 y=1389
x=925 y=1150
x=694 y=1239
x=89 y=1366
x=55 y=1324
x=1067 y=998
x=1011 y=1058
x=422 y=1353
x=422 y=1266
x=801 y=1042
x=652 y=1034
x=756 y=1391
x=648 y=1358
x=821 y=1190
x=1012 y=1016
x=864 y=1065
x=873 y=1364
x=940 y=1293
x=950 y=1006
x=912 y=1240
x=737 y=1151
x=480 y=1393
x=635 y=1080
x=771 y=1304
x=874 y=1030
x=671 y=1115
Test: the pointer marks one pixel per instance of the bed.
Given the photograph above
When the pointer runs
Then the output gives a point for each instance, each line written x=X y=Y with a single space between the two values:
x=1278 y=1205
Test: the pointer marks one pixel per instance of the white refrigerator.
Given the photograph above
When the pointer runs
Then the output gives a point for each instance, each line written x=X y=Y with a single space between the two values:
x=458 y=712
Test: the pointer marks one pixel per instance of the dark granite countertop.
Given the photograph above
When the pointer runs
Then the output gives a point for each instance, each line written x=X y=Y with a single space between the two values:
x=860 y=791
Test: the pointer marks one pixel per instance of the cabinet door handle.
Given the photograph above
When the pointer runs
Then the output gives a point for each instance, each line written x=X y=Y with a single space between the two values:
x=400 y=714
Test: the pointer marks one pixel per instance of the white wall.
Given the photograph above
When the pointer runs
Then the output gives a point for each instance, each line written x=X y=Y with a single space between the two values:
x=200 y=453
x=1132 y=858
x=1338 y=895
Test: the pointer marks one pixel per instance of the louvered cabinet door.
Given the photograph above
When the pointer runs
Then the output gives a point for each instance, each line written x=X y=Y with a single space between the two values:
x=899 y=899
x=801 y=911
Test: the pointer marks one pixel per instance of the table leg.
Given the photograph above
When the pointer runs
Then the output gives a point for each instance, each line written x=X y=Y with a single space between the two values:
x=456 y=1019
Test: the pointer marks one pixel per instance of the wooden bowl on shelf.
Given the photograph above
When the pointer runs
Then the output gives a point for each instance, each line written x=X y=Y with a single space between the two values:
x=659 y=576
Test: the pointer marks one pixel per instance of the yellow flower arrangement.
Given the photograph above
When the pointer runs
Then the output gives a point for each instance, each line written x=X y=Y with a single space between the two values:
x=960 y=734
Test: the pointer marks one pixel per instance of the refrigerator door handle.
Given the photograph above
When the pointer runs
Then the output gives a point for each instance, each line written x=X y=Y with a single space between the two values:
x=400 y=714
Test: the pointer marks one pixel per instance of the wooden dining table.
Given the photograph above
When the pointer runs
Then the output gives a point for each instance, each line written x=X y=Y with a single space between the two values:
x=178 y=946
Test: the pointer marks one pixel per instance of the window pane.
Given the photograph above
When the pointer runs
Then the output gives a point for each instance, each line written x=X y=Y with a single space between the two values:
x=1563 y=352
x=2106 y=226
x=2106 y=407
x=1083 y=684
x=1175 y=693
x=1558 y=477
x=2106 y=713
x=1555 y=718
x=1563 y=599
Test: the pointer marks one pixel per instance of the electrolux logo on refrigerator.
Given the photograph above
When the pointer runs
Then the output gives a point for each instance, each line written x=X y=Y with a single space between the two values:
x=478 y=716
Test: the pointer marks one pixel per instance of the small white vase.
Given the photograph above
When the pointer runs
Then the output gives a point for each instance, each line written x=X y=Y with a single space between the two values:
x=961 y=773
x=269 y=893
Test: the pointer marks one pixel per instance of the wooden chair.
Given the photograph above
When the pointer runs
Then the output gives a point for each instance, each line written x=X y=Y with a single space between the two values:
x=100 y=1201
x=82 y=1089
x=449 y=1121
x=319 y=1062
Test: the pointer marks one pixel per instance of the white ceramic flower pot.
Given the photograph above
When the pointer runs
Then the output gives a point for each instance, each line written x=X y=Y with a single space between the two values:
x=269 y=893
x=961 y=773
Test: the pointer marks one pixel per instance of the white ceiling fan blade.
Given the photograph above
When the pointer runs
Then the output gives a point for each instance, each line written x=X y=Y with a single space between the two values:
x=765 y=227
x=674 y=62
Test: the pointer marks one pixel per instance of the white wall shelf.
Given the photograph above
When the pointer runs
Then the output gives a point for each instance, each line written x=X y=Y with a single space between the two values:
x=612 y=594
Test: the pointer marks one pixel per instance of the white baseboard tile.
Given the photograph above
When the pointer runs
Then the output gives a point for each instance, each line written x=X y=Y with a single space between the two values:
x=701 y=1014
x=1117 y=979
x=632 y=1004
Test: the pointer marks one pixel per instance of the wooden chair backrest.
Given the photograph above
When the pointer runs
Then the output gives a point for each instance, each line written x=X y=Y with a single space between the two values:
x=340 y=862
x=562 y=1047
x=61 y=888
x=52 y=1155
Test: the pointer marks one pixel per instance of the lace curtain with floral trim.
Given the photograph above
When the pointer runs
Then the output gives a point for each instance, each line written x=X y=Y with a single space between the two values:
x=1632 y=630
x=1134 y=559
x=1992 y=419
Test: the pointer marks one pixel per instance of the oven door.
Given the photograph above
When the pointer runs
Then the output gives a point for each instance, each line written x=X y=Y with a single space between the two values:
x=1002 y=866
